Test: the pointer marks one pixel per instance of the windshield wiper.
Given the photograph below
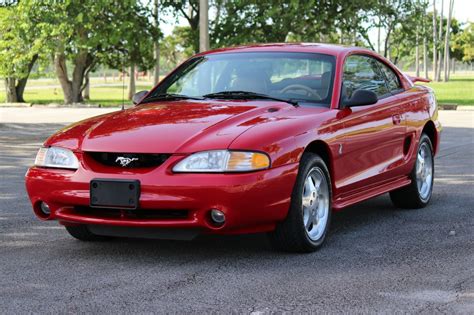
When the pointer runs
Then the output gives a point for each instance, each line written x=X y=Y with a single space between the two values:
x=248 y=95
x=170 y=97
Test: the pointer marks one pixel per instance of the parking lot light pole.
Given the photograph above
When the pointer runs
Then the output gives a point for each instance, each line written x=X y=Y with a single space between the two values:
x=203 y=25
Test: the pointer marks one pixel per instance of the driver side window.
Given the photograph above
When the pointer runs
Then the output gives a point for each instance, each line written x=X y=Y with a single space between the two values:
x=362 y=73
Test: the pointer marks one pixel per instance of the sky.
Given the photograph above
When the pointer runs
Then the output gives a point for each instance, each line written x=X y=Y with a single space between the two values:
x=463 y=11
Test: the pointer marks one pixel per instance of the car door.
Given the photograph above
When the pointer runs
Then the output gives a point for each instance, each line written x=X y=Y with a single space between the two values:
x=372 y=137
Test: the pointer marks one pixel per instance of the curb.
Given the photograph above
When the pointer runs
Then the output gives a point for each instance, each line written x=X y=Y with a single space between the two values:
x=455 y=107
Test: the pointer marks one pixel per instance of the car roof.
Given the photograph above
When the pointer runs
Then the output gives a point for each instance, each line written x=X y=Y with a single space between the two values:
x=329 y=49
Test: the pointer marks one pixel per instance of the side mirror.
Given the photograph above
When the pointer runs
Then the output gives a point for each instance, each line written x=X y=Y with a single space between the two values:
x=361 y=98
x=137 y=97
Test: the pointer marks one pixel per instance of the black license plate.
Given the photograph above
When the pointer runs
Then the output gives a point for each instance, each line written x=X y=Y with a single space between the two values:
x=114 y=193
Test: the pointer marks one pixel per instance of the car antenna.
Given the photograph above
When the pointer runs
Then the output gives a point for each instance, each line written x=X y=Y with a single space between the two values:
x=123 y=84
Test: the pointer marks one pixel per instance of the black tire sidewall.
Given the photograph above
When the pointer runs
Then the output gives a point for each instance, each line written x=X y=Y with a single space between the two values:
x=308 y=162
x=424 y=139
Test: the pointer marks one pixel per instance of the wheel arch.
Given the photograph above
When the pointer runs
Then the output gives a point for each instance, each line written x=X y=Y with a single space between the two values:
x=322 y=149
x=430 y=130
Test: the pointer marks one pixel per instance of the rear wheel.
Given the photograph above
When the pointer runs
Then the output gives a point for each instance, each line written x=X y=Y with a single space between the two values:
x=82 y=233
x=308 y=219
x=418 y=193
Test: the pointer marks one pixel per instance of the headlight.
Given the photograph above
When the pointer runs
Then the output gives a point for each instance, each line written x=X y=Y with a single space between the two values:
x=219 y=161
x=56 y=157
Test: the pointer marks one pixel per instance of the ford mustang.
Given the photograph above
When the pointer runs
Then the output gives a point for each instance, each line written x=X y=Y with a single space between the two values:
x=265 y=138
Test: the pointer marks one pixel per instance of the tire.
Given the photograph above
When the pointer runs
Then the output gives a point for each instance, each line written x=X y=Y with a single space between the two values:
x=82 y=233
x=416 y=196
x=306 y=225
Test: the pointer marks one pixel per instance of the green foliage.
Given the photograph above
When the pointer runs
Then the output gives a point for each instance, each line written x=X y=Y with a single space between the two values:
x=134 y=38
x=463 y=44
x=252 y=21
x=176 y=47
x=189 y=9
x=108 y=31
x=18 y=42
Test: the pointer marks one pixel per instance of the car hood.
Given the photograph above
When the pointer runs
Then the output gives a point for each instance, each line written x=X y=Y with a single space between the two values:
x=167 y=127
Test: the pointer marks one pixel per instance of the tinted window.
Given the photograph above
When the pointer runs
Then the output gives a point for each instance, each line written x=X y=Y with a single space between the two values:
x=393 y=82
x=363 y=73
x=305 y=77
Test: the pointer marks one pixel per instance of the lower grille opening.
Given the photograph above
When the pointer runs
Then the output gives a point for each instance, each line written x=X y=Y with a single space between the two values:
x=140 y=214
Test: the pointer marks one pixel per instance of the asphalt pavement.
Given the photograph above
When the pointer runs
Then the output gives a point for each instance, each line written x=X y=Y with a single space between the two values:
x=377 y=259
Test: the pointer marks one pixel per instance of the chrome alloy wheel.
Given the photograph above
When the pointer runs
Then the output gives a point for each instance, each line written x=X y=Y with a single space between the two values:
x=315 y=201
x=424 y=171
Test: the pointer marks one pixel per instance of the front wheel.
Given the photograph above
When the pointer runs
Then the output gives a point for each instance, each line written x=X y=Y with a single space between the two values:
x=309 y=216
x=418 y=193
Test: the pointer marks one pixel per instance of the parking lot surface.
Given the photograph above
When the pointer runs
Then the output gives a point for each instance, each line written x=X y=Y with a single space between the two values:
x=377 y=258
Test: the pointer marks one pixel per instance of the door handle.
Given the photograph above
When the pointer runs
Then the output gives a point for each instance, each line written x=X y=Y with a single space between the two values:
x=397 y=119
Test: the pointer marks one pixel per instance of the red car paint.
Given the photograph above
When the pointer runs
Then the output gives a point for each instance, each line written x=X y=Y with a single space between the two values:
x=369 y=150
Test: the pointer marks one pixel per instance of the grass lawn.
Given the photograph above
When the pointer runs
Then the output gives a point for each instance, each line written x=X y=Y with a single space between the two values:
x=47 y=91
x=459 y=90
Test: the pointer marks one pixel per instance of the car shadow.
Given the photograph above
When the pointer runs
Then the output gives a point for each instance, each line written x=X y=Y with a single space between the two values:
x=211 y=247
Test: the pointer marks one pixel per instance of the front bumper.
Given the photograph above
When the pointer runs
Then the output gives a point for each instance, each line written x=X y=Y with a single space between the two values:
x=252 y=202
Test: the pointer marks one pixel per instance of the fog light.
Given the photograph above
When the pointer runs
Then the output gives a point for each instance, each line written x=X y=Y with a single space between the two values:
x=45 y=208
x=217 y=217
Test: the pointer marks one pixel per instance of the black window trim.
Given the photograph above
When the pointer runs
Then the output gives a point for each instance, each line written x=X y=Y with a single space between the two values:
x=394 y=92
x=390 y=93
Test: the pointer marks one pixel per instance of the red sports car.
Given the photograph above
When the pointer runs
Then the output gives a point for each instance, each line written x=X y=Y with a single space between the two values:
x=266 y=138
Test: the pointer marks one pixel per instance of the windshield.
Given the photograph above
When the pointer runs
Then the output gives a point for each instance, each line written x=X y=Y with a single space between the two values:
x=303 y=77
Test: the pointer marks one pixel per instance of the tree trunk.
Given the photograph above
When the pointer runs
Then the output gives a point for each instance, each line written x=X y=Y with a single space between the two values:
x=417 y=55
x=425 y=45
x=440 y=38
x=61 y=73
x=425 y=57
x=378 y=37
x=82 y=63
x=72 y=89
x=435 y=50
x=20 y=86
x=203 y=25
x=131 y=85
x=386 y=52
x=156 y=73
x=446 y=42
x=87 y=89
x=10 y=90
x=453 y=67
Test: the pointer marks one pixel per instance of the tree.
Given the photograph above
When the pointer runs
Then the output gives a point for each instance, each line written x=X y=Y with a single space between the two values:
x=19 y=49
x=463 y=44
x=440 y=49
x=134 y=45
x=176 y=47
x=386 y=15
x=156 y=21
x=252 y=21
x=189 y=9
x=446 y=42
x=87 y=34
x=406 y=34
x=425 y=38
